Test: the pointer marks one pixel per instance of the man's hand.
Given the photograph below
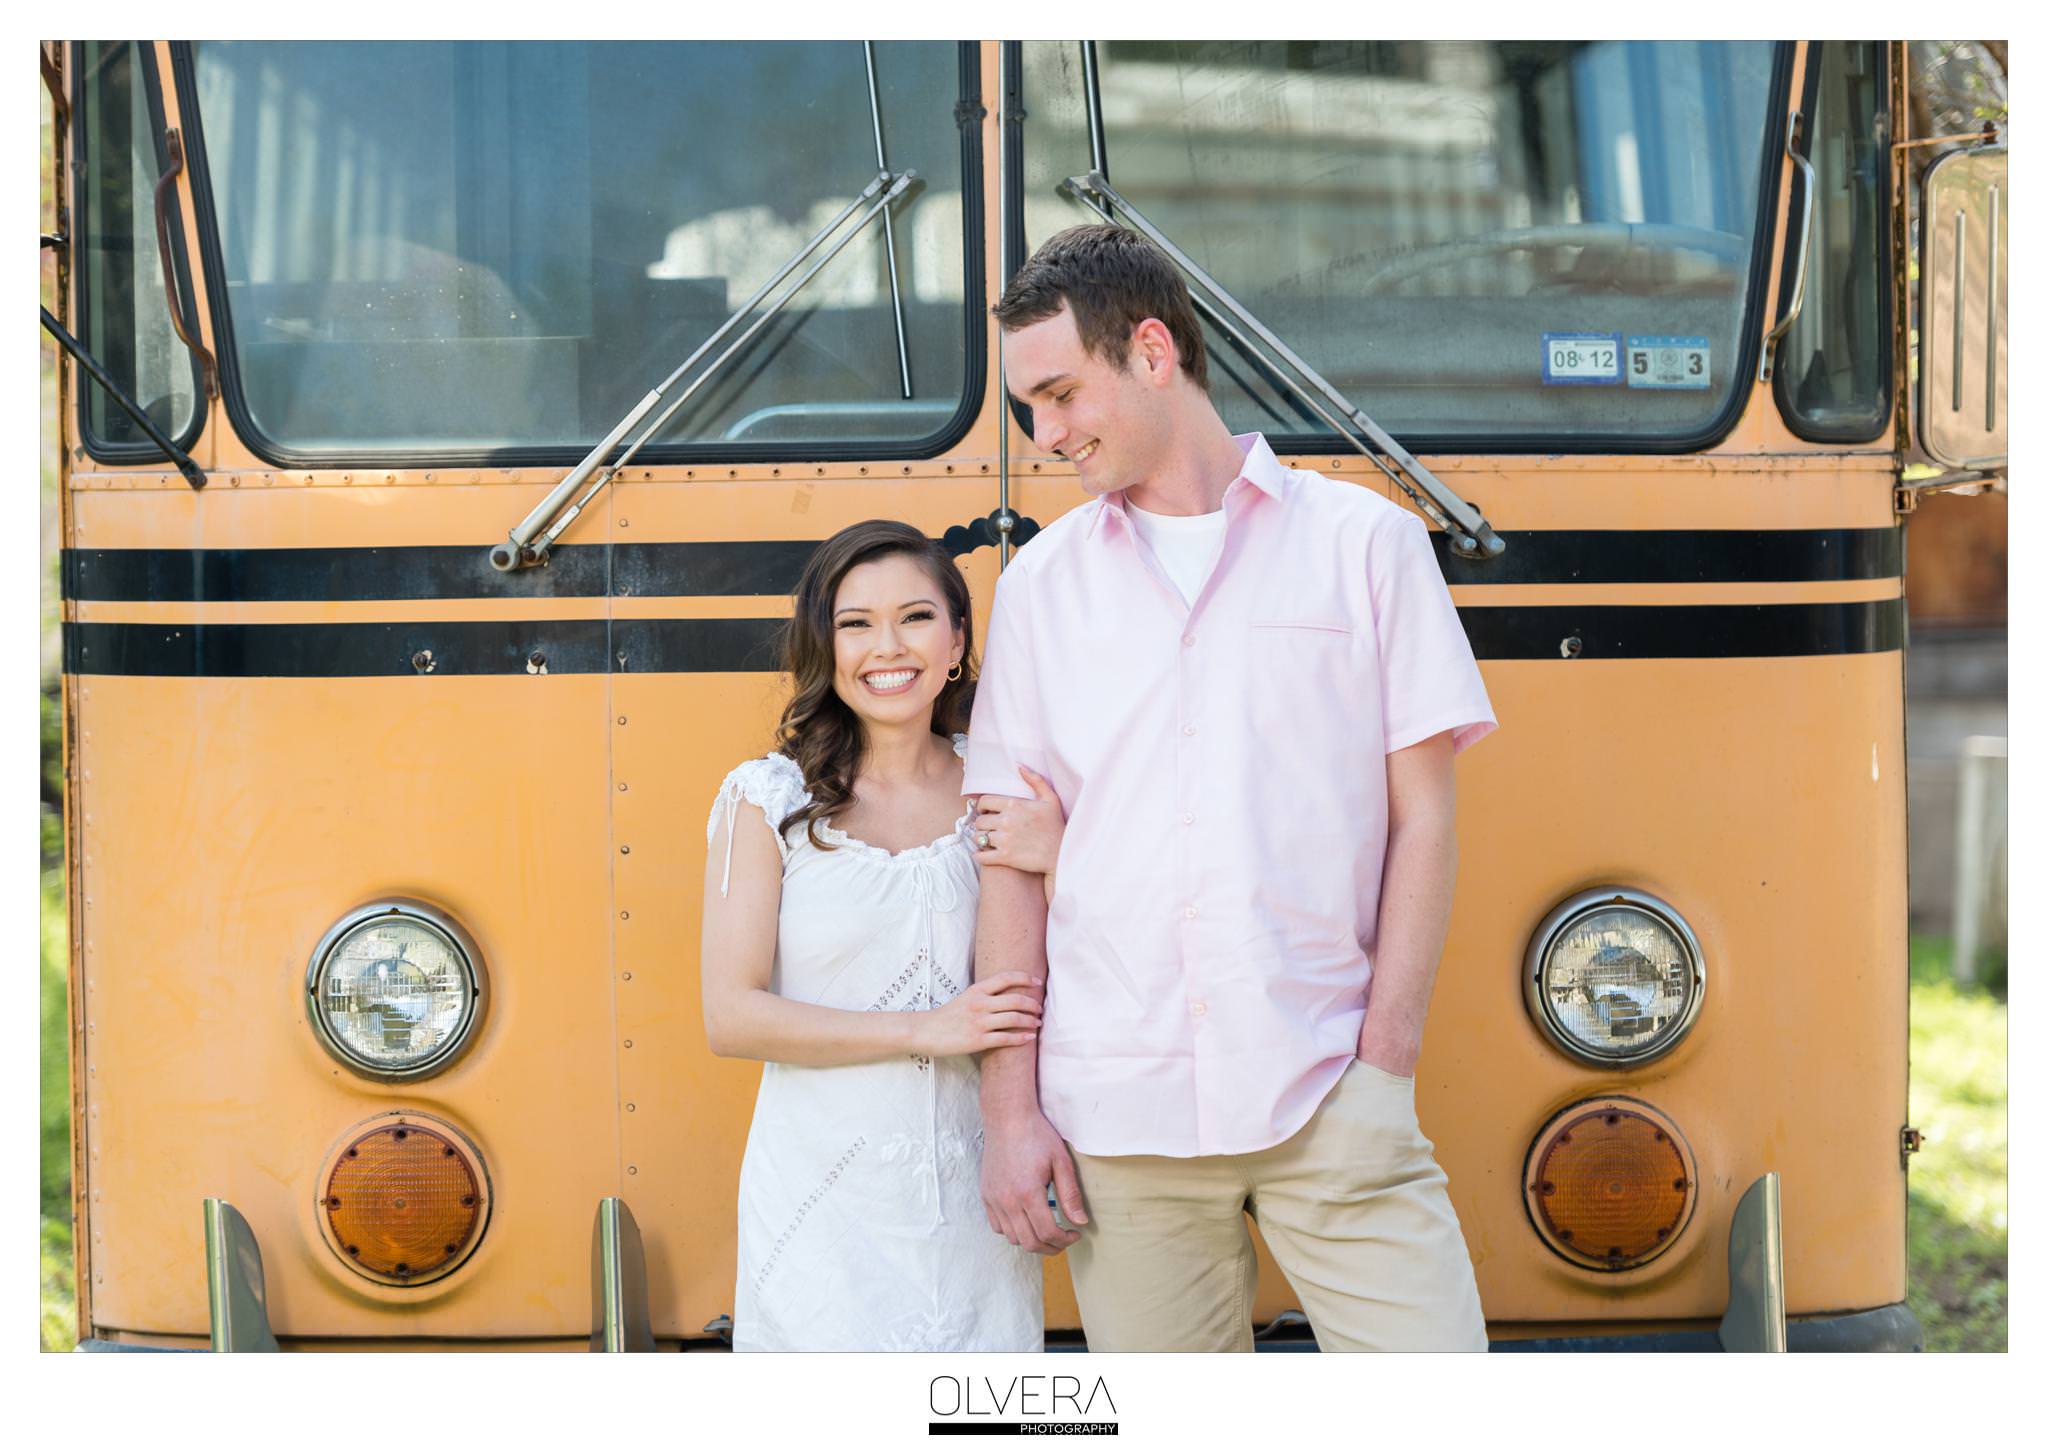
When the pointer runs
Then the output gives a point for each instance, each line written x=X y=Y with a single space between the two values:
x=1020 y=1155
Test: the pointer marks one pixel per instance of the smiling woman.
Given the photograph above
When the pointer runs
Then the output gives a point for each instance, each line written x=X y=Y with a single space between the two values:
x=831 y=635
x=838 y=950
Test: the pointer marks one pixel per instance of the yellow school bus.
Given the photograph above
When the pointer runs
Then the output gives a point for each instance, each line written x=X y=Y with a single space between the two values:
x=442 y=436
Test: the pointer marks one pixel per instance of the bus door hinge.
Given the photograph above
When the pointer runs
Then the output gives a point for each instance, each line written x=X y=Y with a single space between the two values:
x=1909 y=1142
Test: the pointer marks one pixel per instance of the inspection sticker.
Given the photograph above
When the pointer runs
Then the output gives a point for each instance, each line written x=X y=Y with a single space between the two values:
x=1584 y=359
x=1669 y=362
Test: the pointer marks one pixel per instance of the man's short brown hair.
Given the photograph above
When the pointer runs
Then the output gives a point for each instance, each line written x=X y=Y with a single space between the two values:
x=1111 y=279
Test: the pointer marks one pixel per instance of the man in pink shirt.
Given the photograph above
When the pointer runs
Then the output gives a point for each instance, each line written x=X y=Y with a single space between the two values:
x=1246 y=684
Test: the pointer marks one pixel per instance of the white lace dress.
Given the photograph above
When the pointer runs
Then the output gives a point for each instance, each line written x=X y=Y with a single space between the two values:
x=860 y=1217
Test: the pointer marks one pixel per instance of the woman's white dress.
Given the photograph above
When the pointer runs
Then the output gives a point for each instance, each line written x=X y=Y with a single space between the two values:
x=860 y=1216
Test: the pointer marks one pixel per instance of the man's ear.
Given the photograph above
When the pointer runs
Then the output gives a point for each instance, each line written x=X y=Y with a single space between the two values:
x=1152 y=345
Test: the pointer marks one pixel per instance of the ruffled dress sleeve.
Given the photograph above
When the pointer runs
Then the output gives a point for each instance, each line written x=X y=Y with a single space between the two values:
x=774 y=783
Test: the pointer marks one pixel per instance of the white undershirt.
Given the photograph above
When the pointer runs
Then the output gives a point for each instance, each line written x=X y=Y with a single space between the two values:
x=1186 y=545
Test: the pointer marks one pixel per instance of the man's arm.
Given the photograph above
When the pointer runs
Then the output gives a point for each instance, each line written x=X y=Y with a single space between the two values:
x=1415 y=903
x=1021 y=1150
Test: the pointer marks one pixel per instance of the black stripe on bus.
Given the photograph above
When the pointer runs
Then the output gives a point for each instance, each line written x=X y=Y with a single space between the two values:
x=724 y=646
x=1685 y=631
x=687 y=570
x=1682 y=556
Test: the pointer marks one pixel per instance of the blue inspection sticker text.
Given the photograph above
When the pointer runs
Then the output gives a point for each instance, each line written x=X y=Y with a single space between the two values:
x=1670 y=362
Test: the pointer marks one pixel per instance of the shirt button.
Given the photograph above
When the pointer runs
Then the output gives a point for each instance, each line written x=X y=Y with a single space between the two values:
x=1187 y=729
x=1187 y=641
x=1187 y=820
x=1199 y=1008
x=1190 y=913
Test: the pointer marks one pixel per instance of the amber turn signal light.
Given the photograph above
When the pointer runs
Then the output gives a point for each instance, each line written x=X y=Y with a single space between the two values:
x=404 y=1200
x=1610 y=1184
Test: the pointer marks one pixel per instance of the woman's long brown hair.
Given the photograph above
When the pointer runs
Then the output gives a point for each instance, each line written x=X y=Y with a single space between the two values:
x=818 y=730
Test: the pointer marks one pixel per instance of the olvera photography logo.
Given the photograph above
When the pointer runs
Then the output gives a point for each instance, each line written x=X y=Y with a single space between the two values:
x=1024 y=1404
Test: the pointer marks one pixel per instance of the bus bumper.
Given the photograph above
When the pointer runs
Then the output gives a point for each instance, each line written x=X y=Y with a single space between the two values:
x=1890 y=1329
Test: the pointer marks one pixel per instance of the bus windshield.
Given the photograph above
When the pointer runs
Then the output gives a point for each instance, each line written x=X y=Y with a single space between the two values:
x=1481 y=243
x=499 y=247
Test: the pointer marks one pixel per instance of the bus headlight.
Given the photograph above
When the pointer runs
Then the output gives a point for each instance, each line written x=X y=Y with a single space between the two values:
x=394 y=990
x=1614 y=977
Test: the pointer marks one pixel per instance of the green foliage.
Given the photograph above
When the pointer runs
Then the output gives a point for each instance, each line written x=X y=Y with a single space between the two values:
x=1956 y=1202
x=60 y=1307
x=59 y=1313
x=55 y=1093
x=53 y=783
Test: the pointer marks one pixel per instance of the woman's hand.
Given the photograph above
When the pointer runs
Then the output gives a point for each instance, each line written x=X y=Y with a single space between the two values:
x=1022 y=834
x=999 y=1012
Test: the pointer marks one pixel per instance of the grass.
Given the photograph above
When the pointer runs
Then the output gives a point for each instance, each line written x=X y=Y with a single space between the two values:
x=1956 y=1193
x=59 y=1316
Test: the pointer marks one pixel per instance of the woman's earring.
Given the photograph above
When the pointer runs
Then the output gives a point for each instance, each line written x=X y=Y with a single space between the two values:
x=955 y=671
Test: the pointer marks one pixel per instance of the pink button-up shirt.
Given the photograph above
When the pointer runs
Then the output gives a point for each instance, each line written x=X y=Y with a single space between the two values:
x=1223 y=770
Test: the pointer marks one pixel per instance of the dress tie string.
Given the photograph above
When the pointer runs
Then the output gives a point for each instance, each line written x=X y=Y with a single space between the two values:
x=732 y=815
x=935 y=893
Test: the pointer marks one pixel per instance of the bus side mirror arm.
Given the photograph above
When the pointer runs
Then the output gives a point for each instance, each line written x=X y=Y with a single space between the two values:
x=1807 y=187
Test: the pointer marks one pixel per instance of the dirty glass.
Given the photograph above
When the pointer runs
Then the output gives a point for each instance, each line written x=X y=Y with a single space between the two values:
x=1834 y=362
x=1524 y=242
x=125 y=320
x=505 y=245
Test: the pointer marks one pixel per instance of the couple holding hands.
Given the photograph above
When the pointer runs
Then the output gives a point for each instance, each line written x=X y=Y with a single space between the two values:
x=1172 y=963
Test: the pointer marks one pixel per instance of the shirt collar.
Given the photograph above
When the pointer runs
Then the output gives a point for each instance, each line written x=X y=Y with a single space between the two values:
x=1261 y=470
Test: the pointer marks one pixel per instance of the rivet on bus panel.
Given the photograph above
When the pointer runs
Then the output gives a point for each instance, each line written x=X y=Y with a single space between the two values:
x=625 y=850
x=1571 y=647
x=632 y=1172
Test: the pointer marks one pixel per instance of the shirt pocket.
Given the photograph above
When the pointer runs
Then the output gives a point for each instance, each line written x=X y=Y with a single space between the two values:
x=1303 y=696
x=1287 y=627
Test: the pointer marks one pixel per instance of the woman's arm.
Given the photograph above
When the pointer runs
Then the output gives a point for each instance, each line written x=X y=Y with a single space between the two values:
x=743 y=1018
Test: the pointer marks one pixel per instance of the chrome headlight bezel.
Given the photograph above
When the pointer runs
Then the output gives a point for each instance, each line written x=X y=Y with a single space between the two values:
x=1553 y=928
x=452 y=935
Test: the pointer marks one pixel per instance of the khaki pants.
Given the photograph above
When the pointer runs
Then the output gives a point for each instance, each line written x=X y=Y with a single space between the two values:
x=1353 y=1206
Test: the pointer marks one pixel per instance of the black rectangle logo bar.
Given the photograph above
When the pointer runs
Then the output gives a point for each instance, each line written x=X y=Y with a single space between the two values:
x=1048 y=1426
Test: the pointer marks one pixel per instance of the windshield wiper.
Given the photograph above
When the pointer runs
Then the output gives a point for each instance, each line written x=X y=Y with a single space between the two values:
x=1470 y=535
x=1468 y=531
x=529 y=542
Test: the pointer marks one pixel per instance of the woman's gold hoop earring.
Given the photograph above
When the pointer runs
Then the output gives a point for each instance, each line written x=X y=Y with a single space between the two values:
x=955 y=672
